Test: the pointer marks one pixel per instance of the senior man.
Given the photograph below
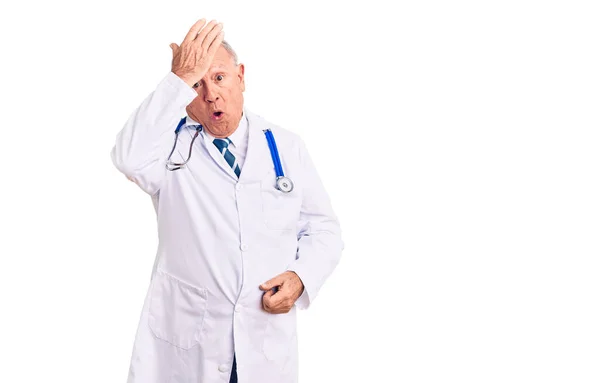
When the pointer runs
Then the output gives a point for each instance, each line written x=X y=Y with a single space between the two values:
x=241 y=246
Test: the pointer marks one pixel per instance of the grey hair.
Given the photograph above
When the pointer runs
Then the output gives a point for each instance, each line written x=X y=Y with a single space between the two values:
x=230 y=50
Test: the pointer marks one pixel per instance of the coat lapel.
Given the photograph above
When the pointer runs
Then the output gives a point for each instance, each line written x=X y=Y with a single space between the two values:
x=258 y=157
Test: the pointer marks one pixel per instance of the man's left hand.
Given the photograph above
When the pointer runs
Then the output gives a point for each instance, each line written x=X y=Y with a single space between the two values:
x=289 y=288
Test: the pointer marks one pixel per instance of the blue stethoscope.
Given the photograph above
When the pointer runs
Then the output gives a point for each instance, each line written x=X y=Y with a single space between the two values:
x=282 y=182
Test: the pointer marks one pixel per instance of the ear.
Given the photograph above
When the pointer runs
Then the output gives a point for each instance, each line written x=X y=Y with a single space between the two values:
x=241 y=69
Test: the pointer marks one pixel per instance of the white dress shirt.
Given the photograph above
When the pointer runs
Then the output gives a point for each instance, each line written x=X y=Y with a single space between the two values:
x=239 y=139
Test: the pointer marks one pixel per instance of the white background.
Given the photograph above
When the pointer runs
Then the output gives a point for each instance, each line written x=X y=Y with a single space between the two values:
x=458 y=141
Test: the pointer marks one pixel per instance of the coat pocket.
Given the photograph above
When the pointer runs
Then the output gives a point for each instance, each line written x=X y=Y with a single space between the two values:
x=279 y=335
x=281 y=211
x=177 y=310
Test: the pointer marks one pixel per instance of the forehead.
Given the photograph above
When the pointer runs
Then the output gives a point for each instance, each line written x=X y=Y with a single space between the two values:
x=222 y=60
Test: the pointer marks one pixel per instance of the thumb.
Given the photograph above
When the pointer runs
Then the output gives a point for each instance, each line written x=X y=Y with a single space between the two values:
x=174 y=48
x=268 y=285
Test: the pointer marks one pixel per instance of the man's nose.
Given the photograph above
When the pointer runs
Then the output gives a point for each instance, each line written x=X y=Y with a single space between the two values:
x=210 y=94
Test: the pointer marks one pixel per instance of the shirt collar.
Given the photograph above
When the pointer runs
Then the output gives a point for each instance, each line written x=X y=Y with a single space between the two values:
x=236 y=137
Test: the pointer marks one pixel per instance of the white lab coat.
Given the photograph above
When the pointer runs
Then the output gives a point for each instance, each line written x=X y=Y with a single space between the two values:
x=219 y=239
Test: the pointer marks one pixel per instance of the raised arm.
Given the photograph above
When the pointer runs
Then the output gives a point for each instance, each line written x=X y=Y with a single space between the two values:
x=142 y=146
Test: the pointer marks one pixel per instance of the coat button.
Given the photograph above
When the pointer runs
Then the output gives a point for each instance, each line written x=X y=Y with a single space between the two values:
x=238 y=186
x=223 y=368
x=244 y=247
x=237 y=308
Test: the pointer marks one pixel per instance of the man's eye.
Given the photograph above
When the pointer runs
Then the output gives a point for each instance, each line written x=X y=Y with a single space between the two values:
x=219 y=77
x=196 y=85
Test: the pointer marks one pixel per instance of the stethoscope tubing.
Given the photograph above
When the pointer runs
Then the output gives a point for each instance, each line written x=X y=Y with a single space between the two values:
x=178 y=165
x=274 y=153
x=280 y=177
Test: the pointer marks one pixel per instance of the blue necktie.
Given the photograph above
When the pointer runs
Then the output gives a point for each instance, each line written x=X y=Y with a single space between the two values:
x=222 y=144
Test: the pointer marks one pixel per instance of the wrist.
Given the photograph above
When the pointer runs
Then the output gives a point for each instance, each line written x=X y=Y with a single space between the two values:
x=190 y=81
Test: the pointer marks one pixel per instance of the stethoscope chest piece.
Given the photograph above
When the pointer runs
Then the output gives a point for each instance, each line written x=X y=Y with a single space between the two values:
x=284 y=184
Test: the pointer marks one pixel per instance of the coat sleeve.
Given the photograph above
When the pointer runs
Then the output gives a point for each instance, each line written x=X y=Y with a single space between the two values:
x=142 y=146
x=319 y=236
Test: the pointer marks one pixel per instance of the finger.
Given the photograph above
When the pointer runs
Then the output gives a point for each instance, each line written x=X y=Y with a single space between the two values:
x=273 y=304
x=215 y=44
x=191 y=35
x=206 y=30
x=211 y=36
x=266 y=300
x=277 y=281
x=279 y=307
x=278 y=299
x=267 y=295
x=174 y=48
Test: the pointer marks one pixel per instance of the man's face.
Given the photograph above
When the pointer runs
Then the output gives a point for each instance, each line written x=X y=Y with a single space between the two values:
x=220 y=100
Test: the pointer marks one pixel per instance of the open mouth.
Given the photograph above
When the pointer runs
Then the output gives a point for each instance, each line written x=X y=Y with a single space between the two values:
x=217 y=115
